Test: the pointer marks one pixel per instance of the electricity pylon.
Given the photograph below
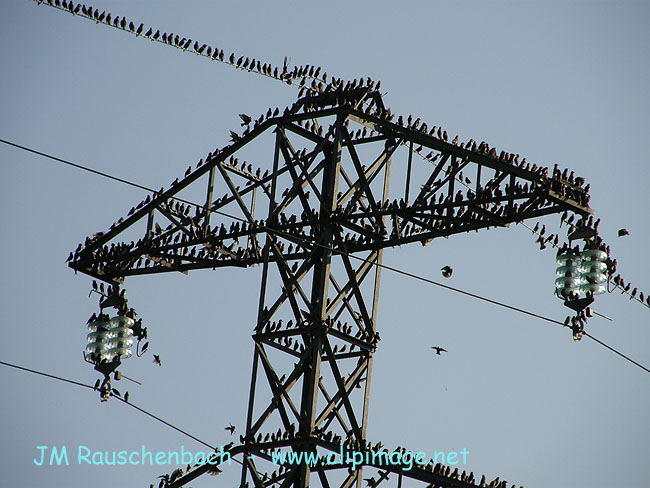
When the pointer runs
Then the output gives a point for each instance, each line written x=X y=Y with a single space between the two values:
x=347 y=180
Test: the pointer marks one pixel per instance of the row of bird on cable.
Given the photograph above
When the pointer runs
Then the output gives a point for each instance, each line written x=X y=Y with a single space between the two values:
x=297 y=76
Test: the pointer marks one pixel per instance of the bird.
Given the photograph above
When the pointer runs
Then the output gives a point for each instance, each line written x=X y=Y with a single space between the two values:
x=447 y=271
x=230 y=428
x=439 y=349
x=246 y=119
x=623 y=232
x=156 y=359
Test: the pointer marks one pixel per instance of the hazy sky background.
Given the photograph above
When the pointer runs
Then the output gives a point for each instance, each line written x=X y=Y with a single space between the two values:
x=564 y=82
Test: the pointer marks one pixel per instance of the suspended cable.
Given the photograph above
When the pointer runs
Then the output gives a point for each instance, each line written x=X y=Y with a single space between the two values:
x=59 y=378
x=193 y=46
x=47 y=375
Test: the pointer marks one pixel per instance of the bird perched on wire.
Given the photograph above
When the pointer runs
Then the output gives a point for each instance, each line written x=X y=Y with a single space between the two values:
x=439 y=349
x=447 y=271
x=230 y=428
x=623 y=232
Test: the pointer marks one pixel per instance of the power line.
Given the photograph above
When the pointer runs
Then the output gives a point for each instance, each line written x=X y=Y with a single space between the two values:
x=114 y=396
x=78 y=166
x=617 y=352
x=199 y=49
x=111 y=177
x=383 y=266
x=47 y=375
x=142 y=410
x=168 y=424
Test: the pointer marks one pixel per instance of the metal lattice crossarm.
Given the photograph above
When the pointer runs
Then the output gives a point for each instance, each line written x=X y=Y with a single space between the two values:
x=501 y=192
x=344 y=181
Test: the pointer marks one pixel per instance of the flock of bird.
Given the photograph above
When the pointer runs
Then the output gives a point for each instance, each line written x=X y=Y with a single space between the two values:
x=187 y=245
x=487 y=198
x=197 y=244
x=615 y=280
x=187 y=250
x=113 y=297
x=285 y=336
x=297 y=76
x=269 y=442
x=564 y=182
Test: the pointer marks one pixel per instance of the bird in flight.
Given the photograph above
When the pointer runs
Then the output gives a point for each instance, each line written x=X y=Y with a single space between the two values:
x=623 y=232
x=439 y=349
x=447 y=271
x=231 y=428
x=156 y=359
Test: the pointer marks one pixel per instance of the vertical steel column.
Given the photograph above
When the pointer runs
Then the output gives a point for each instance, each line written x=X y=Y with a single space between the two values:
x=320 y=285
x=373 y=316
x=260 y=310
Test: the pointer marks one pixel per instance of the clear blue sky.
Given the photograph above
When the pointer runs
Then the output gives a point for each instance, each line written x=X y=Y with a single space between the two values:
x=564 y=82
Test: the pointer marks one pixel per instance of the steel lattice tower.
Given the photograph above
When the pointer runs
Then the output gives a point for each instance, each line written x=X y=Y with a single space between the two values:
x=337 y=194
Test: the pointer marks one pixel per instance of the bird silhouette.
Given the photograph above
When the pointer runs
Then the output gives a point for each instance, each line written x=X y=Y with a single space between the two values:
x=623 y=232
x=370 y=482
x=439 y=349
x=156 y=360
x=447 y=271
x=230 y=428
